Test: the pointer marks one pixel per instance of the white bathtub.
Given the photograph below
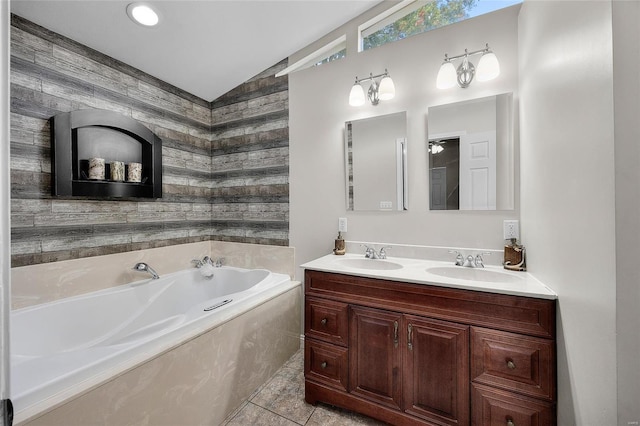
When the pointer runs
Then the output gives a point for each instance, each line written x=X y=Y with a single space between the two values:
x=64 y=347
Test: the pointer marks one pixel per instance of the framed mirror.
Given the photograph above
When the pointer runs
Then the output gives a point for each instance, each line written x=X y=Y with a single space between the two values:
x=376 y=163
x=470 y=151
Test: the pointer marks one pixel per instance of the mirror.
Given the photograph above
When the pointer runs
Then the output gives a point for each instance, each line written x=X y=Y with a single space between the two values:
x=470 y=150
x=376 y=163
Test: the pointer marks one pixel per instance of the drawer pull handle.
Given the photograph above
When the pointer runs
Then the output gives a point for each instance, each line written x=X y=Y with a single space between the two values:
x=395 y=334
x=510 y=422
x=324 y=364
x=512 y=366
x=323 y=321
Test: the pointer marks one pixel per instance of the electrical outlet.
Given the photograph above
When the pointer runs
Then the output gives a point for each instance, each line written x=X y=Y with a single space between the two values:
x=511 y=229
x=342 y=224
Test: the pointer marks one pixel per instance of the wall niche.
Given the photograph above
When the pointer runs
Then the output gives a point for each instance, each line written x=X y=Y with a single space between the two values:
x=78 y=136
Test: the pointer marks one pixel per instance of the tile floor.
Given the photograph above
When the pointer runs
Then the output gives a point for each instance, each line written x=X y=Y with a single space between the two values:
x=280 y=402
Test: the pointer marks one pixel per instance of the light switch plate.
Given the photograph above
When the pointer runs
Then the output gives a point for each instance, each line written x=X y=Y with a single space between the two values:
x=342 y=224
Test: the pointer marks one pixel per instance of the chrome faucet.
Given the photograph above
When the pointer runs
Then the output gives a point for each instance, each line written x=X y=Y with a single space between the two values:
x=459 y=257
x=207 y=260
x=199 y=263
x=370 y=252
x=143 y=267
x=469 y=261
x=219 y=262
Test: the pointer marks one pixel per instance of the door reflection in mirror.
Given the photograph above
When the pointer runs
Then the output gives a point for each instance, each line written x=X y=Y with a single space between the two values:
x=444 y=168
x=470 y=152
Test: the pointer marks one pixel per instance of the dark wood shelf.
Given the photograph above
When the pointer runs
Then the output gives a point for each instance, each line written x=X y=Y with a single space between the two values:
x=76 y=133
x=108 y=188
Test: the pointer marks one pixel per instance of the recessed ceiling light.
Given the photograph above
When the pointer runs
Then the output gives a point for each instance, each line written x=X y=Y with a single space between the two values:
x=143 y=14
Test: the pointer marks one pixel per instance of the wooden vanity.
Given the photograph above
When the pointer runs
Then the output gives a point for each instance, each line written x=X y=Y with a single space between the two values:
x=419 y=354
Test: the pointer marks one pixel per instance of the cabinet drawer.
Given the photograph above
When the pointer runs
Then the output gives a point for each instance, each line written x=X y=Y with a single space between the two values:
x=494 y=407
x=326 y=320
x=326 y=363
x=514 y=362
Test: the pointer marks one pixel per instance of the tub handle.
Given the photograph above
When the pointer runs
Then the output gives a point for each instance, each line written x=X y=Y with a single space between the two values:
x=217 y=305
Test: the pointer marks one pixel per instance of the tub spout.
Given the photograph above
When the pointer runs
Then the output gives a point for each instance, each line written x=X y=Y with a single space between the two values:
x=143 y=267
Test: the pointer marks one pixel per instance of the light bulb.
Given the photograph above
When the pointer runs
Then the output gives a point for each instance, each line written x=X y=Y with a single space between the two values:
x=488 y=67
x=356 y=96
x=386 y=90
x=142 y=14
x=447 y=76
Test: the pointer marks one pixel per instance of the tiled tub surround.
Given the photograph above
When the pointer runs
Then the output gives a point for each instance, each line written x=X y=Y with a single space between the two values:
x=198 y=377
x=225 y=164
x=41 y=283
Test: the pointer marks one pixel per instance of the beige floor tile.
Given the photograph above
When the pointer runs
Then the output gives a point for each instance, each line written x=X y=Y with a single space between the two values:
x=284 y=395
x=296 y=361
x=280 y=402
x=252 y=415
x=326 y=415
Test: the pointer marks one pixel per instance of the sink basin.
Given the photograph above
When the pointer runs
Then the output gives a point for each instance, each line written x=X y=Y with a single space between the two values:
x=371 y=264
x=474 y=274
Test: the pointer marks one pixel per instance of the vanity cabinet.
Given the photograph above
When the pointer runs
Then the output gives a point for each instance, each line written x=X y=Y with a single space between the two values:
x=411 y=354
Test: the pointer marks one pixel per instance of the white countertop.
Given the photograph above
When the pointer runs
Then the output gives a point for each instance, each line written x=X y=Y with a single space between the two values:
x=416 y=271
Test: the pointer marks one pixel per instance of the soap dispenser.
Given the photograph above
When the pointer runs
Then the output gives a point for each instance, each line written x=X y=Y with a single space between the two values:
x=514 y=256
x=339 y=247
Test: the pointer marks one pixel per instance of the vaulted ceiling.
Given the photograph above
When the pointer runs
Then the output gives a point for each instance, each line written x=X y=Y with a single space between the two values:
x=204 y=47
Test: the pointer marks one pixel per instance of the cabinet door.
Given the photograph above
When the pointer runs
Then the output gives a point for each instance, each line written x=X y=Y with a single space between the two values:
x=374 y=356
x=436 y=365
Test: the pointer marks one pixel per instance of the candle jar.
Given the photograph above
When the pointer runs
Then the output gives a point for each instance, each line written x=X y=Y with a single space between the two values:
x=117 y=171
x=134 y=172
x=96 y=168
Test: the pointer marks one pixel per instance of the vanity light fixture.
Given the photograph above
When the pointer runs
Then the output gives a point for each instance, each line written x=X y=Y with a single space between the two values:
x=488 y=69
x=384 y=90
x=143 y=14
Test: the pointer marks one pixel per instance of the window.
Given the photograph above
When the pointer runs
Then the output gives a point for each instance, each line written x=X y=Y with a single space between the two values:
x=333 y=57
x=417 y=16
x=335 y=50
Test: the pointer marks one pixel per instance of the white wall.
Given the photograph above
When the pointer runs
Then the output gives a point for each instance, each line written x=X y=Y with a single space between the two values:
x=626 y=89
x=568 y=192
x=318 y=105
x=5 y=196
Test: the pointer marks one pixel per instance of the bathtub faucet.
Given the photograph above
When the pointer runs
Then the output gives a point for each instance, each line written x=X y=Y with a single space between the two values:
x=143 y=267
x=218 y=262
x=208 y=261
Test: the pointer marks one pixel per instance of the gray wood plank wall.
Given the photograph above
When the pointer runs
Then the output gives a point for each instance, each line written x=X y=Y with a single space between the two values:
x=225 y=163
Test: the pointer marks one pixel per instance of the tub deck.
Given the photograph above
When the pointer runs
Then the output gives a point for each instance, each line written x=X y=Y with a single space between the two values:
x=62 y=350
